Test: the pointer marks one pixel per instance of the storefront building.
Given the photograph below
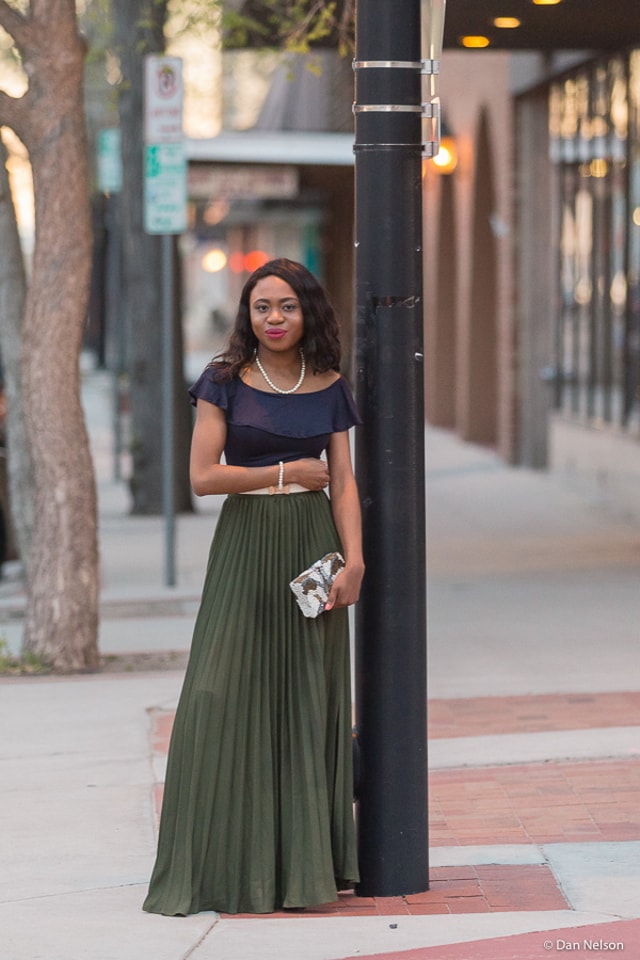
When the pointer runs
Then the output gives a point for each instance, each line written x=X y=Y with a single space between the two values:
x=594 y=140
x=532 y=273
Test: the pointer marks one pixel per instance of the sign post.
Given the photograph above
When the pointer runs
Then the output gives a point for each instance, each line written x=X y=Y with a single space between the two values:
x=109 y=175
x=165 y=214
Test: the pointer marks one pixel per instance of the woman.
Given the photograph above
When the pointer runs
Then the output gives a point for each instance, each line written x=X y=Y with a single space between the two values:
x=257 y=810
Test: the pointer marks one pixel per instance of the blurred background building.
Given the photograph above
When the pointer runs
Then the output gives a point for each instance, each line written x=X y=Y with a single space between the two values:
x=533 y=240
x=531 y=219
x=532 y=233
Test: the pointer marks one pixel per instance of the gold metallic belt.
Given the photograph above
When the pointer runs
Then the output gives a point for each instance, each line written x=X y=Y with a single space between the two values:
x=270 y=491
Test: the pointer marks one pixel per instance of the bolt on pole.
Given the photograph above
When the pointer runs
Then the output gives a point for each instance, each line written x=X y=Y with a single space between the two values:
x=391 y=685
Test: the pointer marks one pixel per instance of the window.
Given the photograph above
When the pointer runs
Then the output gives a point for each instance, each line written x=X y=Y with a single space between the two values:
x=594 y=124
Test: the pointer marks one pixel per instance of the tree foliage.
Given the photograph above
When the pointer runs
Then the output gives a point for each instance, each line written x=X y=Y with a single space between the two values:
x=295 y=25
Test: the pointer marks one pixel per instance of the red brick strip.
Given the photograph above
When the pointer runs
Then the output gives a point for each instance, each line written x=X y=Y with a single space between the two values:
x=454 y=890
x=603 y=939
x=483 y=716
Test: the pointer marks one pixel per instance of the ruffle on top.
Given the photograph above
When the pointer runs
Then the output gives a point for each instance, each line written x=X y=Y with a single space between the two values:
x=327 y=411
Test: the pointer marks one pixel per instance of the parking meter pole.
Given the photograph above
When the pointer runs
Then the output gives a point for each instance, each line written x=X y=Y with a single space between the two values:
x=391 y=616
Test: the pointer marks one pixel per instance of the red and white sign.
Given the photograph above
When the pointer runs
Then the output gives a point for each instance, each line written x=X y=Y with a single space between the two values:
x=163 y=99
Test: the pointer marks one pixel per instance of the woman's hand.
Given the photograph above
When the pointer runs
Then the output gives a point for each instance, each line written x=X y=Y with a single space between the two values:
x=210 y=476
x=346 y=587
x=310 y=473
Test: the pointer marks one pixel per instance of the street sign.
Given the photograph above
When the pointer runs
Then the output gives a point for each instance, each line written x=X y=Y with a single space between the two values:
x=165 y=188
x=109 y=166
x=165 y=164
x=163 y=90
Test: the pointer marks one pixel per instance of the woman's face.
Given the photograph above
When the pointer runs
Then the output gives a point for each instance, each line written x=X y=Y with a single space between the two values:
x=276 y=315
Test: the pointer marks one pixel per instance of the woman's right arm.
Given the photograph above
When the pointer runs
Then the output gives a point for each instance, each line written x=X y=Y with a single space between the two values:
x=209 y=476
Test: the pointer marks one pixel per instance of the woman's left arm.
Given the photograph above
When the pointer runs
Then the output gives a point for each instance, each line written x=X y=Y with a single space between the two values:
x=345 y=506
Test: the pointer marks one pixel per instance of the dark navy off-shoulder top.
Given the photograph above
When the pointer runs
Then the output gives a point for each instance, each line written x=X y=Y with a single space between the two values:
x=264 y=428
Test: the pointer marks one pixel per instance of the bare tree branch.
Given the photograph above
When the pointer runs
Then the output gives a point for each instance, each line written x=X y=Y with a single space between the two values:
x=12 y=111
x=56 y=9
x=15 y=23
x=62 y=12
x=346 y=27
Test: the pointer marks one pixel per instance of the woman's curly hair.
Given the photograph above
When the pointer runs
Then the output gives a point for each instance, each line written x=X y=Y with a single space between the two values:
x=320 y=340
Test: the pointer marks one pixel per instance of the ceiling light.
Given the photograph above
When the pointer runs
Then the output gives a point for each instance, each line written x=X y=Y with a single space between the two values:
x=474 y=43
x=506 y=23
x=546 y=3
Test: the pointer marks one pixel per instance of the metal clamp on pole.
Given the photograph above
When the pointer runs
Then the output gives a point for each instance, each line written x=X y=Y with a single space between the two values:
x=389 y=108
x=431 y=127
x=387 y=87
x=428 y=108
x=388 y=64
x=430 y=67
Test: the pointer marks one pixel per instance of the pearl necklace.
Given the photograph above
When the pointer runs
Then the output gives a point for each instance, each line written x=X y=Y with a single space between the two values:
x=303 y=368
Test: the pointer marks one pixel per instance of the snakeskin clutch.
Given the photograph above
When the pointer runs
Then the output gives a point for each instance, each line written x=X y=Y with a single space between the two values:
x=311 y=588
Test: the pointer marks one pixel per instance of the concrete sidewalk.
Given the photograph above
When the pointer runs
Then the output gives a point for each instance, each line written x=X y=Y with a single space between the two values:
x=534 y=741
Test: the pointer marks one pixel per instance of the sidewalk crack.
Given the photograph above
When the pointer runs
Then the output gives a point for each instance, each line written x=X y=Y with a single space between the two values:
x=201 y=940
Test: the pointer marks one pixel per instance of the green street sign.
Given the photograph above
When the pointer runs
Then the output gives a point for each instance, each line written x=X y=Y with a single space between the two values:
x=165 y=188
x=109 y=165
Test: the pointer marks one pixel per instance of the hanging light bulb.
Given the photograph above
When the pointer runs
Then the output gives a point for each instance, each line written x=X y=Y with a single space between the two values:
x=446 y=159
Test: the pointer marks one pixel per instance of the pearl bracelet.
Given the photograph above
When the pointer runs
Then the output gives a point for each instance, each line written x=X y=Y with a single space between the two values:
x=280 y=476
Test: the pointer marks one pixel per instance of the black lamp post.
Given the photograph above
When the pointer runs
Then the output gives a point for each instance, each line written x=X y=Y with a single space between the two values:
x=391 y=118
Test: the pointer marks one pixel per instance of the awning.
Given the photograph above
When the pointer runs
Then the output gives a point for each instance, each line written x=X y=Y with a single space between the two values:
x=274 y=146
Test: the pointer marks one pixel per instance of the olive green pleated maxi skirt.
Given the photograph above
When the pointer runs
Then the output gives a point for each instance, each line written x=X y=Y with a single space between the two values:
x=257 y=811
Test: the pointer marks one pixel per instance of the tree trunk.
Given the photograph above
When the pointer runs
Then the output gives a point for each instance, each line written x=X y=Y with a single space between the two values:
x=62 y=606
x=13 y=291
x=139 y=30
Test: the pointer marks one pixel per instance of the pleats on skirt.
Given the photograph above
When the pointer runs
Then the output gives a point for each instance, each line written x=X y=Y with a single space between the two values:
x=257 y=811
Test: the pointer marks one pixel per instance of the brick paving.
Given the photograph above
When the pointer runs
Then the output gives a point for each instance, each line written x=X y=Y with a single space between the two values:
x=486 y=716
x=454 y=890
x=533 y=803
x=536 y=803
